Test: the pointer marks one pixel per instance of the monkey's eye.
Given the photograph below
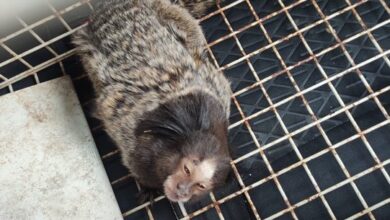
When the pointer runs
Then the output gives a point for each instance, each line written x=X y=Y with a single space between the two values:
x=186 y=170
x=201 y=186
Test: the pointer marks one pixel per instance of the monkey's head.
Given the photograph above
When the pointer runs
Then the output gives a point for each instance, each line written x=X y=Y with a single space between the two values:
x=202 y=166
x=183 y=147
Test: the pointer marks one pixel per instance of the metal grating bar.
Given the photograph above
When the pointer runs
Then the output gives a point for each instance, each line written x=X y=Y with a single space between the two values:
x=58 y=15
x=323 y=133
x=327 y=50
x=258 y=20
x=44 y=20
x=239 y=159
x=290 y=35
x=292 y=142
x=260 y=83
x=316 y=122
x=29 y=28
x=370 y=209
x=338 y=159
x=231 y=5
x=150 y=215
x=368 y=87
x=385 y=6
x=40 y=40
x=303 y=202
x=235 y=170
x=270 y=169
x=38 y=68
x=9 y=50
x=369 y=34
x=329 y=79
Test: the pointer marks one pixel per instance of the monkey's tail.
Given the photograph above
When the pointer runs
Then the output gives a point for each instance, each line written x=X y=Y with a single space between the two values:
x=197 y=8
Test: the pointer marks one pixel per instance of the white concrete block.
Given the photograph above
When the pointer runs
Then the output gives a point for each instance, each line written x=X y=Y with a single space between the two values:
x=49 y=164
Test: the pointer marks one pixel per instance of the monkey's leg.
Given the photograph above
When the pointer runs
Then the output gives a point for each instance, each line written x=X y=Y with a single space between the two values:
x=185 y=27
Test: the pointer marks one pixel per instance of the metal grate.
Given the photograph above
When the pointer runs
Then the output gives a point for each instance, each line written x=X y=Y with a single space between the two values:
x=309 y=125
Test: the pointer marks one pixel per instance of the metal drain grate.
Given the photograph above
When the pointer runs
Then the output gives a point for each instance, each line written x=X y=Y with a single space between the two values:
x=309 y=126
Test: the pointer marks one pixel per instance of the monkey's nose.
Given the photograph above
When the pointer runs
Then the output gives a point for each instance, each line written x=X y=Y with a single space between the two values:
x=182 y=189
x=181 y=186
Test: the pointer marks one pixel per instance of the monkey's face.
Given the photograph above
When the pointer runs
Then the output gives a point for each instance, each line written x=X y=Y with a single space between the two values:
x=191 y=179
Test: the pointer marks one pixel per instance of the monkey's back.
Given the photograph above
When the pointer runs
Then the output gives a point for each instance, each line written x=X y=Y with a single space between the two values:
x=127 y=44
x=136 y=63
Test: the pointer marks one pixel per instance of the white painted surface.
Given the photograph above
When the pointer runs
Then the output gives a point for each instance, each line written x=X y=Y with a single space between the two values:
x=49 y=164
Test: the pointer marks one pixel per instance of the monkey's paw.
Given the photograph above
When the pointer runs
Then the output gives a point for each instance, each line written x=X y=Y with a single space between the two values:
x=148 y=195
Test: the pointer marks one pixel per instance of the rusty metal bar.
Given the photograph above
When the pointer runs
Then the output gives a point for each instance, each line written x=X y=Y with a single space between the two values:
x=40 y=40
x=299 y=93
x=148 y=211
x=259 y=83
x=44 y=20
x=23 y=61
x=368 y=87
x=314 y=24
x=370 y=209
x=303 y=202
x=329 y=79
x=38 y=68
x=248 y=126
x=292 y=142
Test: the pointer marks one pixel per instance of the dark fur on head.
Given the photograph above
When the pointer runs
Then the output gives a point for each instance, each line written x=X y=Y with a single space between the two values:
x=190 y=125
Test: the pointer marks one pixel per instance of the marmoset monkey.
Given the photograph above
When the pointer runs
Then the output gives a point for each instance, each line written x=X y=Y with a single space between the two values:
x=158 y=95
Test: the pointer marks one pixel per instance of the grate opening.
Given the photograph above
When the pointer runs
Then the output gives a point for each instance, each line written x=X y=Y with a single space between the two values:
x=310 y=109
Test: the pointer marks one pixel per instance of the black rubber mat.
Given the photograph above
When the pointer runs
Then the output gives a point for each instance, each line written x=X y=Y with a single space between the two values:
x=266 y=127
